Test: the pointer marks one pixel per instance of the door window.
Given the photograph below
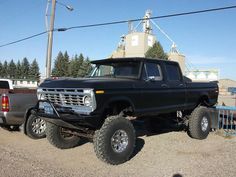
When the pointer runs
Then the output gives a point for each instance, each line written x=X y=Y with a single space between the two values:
x=173 y=72
x=152 y=71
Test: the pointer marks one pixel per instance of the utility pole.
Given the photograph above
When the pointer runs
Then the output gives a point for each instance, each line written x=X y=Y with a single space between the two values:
x=50 y=40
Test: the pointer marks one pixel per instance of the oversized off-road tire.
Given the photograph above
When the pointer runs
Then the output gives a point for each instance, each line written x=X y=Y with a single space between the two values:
x=60 y=139
x=114 y=143
x=199 y=123
x=35 y=127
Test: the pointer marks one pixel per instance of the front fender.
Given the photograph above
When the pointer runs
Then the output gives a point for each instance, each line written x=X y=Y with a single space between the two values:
x=119 y=99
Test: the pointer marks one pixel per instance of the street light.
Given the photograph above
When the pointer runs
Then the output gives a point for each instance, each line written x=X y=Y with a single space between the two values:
x=66 y=6
x=50 y=33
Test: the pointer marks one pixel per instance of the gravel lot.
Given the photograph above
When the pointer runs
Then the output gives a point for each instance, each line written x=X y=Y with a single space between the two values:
x=169 y=154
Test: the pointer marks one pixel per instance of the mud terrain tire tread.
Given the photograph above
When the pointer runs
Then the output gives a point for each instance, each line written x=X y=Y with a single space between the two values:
x=102 y=139
x=196 y=117
x=54 y=136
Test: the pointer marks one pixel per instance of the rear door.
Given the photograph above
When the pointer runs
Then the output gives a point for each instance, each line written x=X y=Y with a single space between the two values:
x=176 y=86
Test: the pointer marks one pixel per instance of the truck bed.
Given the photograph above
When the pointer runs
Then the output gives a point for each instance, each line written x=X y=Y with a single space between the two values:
x=19 y=101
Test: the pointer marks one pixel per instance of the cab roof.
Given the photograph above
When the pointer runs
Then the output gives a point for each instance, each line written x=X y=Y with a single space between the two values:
x=133 y=59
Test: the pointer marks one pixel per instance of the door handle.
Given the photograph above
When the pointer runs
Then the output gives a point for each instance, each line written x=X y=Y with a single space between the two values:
x=164 y=85
x=181 y=85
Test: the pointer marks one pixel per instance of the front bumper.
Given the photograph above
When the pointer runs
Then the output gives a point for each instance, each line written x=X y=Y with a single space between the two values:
x=64 y=116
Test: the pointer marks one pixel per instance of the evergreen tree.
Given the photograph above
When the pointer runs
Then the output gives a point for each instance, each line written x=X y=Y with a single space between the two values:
x=88 y=66
x=1 y=67
x=78 y=66
x=156 y=51
x=74 y=66
x=34 y=70
x=66 y=59
x=12 y=69
x=25 y=68
x=85 y=68
x=5 y=70
x=18 y=70
x=60 y=66
x=81 y=66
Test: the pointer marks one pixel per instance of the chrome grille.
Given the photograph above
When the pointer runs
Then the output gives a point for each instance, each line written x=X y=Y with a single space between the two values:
x=66 y=97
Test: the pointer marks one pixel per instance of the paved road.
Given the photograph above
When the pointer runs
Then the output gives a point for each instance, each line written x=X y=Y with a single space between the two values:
x=170 y=154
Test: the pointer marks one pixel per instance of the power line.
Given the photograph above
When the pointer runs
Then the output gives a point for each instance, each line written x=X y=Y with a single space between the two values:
x=156 y=17
x=123 y=21
x=24 y=39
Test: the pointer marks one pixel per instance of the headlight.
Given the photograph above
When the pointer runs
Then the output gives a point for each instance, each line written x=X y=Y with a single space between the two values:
x=87 y=101
x=89 y=98
x=40 y=94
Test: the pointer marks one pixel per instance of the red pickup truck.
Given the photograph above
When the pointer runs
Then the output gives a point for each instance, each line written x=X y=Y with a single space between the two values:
x=14 y=103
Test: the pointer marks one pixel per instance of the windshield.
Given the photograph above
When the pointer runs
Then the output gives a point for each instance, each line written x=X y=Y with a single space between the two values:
x=117 y=69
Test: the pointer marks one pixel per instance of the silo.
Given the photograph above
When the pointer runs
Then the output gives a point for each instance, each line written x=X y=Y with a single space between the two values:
x=120 y=51
x=174 y=55
x=137 y=44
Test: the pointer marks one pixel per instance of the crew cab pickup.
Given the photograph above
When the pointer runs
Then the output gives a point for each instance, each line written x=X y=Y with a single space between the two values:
x=14 y=102
x=103 y=105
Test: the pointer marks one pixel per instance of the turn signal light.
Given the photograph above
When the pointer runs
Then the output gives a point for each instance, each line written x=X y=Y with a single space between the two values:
x=100 y=92
x=5 y=103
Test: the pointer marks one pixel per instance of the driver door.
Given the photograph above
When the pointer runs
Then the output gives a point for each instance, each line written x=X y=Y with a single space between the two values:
x=155 y=90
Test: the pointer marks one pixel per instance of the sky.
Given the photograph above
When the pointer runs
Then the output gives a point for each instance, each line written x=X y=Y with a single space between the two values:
x=207 y=40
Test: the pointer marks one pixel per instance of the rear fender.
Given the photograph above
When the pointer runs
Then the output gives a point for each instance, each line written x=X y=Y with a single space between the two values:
x=204 y=100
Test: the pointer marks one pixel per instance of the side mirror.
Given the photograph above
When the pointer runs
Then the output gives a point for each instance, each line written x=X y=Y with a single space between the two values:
x=150 y=79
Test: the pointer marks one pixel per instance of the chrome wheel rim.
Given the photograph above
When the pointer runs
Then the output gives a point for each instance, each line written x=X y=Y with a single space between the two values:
x=119 y=141
x=38 y=126
x=204 y=124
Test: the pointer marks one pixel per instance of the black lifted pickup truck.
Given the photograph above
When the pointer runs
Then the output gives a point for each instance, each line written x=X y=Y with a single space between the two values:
x=102 y=106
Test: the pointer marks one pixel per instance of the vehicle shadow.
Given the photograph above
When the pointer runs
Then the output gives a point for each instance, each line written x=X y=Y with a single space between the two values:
x=152 y=126
x=177 y=175
x=138 y=147
x=10 y=128
x=149 y=127
x=84 y=141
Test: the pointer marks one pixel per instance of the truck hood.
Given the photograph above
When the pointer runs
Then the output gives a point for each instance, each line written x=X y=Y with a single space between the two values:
x=95 y=83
